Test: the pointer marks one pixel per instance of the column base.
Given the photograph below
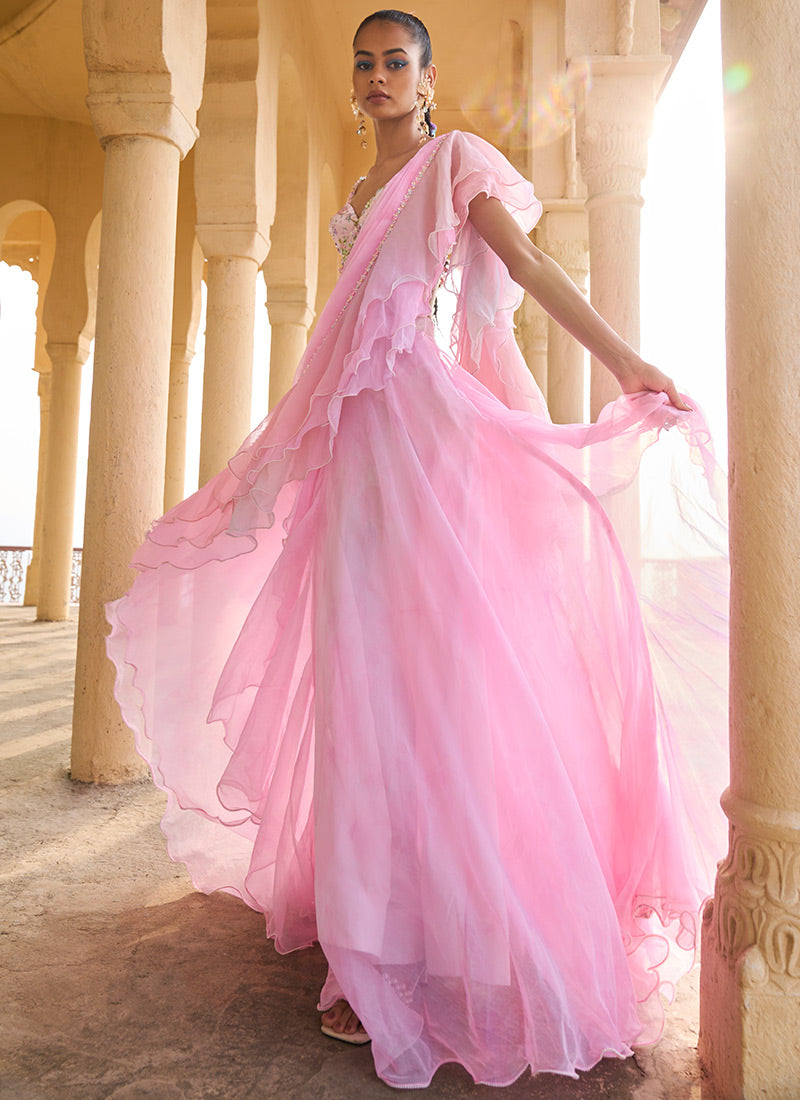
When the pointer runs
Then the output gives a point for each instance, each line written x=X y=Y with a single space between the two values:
x=750 y=971
x=749 y=1028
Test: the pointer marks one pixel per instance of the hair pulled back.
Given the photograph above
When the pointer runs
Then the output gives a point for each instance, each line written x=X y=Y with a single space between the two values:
x=418 y=31
x=415 y=27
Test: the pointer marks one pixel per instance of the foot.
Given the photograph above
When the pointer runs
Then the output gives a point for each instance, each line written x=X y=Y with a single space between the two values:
x=340 y=1022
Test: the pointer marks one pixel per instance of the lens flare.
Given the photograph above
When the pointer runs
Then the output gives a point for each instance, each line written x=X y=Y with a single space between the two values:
x=737 y=77
x=546 y=118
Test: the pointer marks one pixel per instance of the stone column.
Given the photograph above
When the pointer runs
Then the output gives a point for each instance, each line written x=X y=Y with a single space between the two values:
x=41 y=364
x=612 y=147
x=230 y=325
x=289 y=317
x=185 y=322
x=60 y=477
x=562 y=234
x=34 y=570
x=235 y=192
x=66 y=321
x=531 y=323
x=145 y=122
x=750 y=978
x=180 y=361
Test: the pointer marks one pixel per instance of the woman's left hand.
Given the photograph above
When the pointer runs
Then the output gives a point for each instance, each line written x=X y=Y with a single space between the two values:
x=644 y=376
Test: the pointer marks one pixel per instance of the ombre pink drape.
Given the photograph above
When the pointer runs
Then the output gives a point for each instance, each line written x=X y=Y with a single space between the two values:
x=402 y=689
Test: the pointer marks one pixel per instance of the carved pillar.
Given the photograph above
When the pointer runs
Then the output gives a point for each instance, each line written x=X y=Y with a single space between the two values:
x=612 y=145
x=531 y=323
x=750 y=977
x=289 y=317
x=143 y=109
x=562 y=234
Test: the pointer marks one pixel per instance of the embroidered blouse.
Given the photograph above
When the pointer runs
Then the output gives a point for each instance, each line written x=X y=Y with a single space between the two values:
x=345 y=224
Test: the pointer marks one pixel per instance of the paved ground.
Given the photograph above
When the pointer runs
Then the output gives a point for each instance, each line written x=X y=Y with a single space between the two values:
x=119 y=981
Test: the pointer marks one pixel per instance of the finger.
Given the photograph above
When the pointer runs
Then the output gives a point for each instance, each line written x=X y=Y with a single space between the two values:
x=675 y=398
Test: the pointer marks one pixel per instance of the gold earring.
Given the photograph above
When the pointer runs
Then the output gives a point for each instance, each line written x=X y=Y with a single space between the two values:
x=361 y=129
x=426 y=104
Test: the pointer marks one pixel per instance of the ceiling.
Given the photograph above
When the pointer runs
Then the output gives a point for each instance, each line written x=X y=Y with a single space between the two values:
x=42 y=70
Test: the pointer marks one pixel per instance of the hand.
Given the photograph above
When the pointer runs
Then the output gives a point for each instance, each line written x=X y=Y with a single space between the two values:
x=644 y=376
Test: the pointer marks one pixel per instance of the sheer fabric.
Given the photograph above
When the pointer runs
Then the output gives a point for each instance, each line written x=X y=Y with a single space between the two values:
x=404 y=692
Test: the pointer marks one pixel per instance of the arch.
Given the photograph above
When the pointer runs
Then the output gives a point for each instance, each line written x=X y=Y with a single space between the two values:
x=11 y=212
x=28 y=242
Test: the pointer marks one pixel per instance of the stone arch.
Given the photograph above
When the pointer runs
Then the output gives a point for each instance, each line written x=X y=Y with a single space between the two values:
x=290 y=269
x=27 y=241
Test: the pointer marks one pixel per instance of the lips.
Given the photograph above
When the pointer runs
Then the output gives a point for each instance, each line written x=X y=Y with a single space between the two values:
x=377 y=97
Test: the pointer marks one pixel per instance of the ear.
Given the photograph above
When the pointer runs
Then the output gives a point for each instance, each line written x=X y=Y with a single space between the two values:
x=430 y=76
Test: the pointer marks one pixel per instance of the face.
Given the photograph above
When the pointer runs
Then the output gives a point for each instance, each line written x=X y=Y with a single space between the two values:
x=387 y=71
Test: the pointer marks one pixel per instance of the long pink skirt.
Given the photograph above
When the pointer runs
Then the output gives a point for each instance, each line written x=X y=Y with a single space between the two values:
x=416 y=720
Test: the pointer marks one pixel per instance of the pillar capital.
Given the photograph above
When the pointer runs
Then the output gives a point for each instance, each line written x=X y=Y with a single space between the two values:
x=531 y=324
x=146 y=65
x=563 y=233
x=68 y=352
x=289 y=304
x=123 y=106
x=616 y=124
x=247 y=241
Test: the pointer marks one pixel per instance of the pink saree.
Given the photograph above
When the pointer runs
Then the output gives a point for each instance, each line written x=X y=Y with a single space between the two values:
x=405 y=697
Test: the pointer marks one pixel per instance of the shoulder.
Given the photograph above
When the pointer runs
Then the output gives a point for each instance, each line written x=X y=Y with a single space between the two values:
x=477 y=168
x=470 y=149
x=462 y=139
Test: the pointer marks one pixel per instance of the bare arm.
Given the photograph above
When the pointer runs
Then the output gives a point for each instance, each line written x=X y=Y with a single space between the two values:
x=555 y=291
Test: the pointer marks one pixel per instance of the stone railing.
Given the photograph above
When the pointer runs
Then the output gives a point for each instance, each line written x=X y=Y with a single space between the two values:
x=14 y=561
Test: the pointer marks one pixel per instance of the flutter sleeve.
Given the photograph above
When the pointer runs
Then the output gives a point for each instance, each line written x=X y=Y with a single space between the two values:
x=487 y=298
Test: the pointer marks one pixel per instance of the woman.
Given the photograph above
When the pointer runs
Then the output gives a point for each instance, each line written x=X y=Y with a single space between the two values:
x=415 y=719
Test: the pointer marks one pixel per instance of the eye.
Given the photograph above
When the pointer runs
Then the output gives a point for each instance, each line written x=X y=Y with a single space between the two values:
x=397 y=64
x=362 y=66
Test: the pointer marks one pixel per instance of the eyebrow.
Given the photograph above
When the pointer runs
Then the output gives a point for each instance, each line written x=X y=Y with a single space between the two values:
x=368 y=53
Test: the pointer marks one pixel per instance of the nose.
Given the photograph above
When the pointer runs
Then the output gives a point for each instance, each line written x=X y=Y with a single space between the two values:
x=376 y=77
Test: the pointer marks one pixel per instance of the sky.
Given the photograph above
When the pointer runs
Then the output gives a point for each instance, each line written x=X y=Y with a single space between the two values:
x=683 y=326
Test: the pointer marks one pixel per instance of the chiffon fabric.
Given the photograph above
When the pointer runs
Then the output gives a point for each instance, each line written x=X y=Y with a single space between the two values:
x=405 y=694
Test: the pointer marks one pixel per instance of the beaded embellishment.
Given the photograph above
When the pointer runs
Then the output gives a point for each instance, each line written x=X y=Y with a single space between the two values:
x=345 y=224
x=436 y=143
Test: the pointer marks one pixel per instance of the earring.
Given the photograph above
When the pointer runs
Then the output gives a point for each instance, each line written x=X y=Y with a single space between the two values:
x=427 y=128
x=361 y=129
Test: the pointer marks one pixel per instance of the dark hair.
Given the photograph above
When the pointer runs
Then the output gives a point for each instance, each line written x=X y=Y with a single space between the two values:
x=418 y=31
x=415 y=27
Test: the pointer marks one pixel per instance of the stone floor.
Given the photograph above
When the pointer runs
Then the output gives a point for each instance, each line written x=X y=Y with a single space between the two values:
x=118 y=980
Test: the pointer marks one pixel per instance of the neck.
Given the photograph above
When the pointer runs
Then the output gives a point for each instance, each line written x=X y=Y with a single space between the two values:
x=395 y=138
